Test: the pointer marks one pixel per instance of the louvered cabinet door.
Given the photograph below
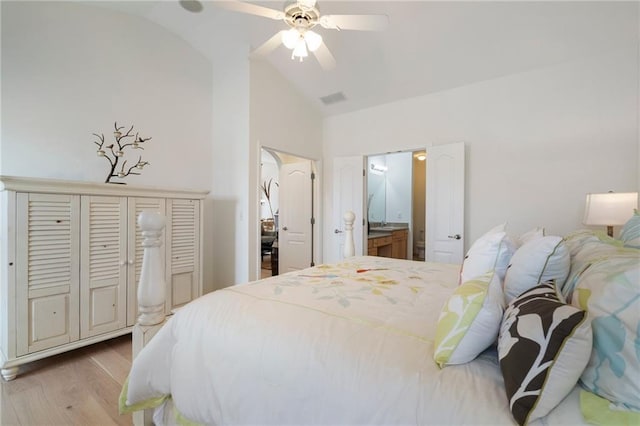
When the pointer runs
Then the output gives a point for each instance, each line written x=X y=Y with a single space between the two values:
x=135 y=207
x=183 y=252
x=47 y=270
x=103 y=265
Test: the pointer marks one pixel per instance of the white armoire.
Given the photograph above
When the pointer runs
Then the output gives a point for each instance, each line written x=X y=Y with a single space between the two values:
x=70 y=259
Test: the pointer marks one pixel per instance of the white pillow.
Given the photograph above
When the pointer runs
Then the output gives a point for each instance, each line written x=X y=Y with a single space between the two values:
x=490 y=252
x=539 y=260
x=470 y=320
x=530 y=235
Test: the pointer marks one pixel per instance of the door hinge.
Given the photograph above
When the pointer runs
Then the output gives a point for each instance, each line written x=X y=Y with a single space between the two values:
x=313 y=220
x=364 y=172
x=363 y=221
x=313 y=175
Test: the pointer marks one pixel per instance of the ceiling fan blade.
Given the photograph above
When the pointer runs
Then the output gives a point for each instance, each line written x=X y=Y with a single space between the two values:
x=355 y=22
x=324 y=57
x=253 y=9
x=269 y=45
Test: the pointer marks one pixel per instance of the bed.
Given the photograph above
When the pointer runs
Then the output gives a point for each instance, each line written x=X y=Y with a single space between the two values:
x=345 y=343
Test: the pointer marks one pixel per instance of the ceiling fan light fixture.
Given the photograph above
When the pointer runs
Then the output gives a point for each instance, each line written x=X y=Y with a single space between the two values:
x=313 y=39
x=300 y=51
x=291 y=38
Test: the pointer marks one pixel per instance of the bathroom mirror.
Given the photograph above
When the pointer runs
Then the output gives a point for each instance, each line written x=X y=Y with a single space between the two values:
x=389 y=187
x=376 y=197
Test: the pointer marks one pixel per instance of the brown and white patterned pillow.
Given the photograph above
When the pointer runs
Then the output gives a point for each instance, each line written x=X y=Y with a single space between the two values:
x=543 y=347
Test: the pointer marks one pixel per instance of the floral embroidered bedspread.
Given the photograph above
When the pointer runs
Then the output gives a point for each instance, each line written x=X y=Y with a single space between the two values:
x=348 y=343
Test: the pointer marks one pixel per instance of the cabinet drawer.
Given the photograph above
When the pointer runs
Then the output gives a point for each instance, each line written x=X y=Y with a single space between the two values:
x=400 y=235
x=382 y=241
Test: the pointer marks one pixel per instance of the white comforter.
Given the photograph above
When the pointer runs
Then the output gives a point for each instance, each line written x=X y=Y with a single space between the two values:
x=350 y=343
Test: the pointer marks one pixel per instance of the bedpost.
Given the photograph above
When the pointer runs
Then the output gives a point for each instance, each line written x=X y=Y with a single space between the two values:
x=151 y=293
x=349 y=249
x=151 y=289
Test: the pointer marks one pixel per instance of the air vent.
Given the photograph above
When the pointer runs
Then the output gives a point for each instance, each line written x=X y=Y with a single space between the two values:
x=333 y=98
x=193 y=6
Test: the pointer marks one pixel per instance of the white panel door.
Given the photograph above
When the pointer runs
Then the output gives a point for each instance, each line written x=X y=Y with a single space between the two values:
x=445 y=203
x=348 y=195
x=47 y=274
x=103 y=265
x=294 y=234
x=135 y=250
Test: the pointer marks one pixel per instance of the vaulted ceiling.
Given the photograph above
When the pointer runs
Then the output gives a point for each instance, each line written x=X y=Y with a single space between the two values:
x=428 y=47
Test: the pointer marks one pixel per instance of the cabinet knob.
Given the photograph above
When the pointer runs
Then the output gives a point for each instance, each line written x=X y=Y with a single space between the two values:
x=130 y=262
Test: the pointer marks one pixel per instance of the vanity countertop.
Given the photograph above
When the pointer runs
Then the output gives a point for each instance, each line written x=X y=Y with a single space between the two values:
x=386 y=230
x=378 y=234
x=389 y=227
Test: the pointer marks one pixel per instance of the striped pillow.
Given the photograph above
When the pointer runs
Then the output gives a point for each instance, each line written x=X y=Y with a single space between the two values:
x=630 y=234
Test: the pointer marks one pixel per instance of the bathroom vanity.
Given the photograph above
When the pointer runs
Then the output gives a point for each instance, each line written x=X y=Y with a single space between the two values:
x=388 y=241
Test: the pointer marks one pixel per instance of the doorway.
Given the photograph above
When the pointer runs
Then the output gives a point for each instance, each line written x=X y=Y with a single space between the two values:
x=396 y=189
x=444 y=203
x=288 y=198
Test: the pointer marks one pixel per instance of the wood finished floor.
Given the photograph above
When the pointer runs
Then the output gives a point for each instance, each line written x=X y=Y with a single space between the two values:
x=80 y=387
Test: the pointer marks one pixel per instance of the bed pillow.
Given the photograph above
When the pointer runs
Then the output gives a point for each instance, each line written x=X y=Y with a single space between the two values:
x=469 y=321
x=609 y=290
x=530 y=235
x=630 y=234
x=490 y=252
x=543 y=347
x=537 y=261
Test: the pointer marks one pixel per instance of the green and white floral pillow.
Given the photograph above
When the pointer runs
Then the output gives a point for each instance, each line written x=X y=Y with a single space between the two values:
x=469 y=321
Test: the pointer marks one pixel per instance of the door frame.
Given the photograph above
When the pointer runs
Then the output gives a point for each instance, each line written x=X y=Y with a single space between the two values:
x=255 y=241
x=425 y=148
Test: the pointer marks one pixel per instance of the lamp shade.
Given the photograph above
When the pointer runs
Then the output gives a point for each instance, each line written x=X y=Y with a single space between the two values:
x=609 y=209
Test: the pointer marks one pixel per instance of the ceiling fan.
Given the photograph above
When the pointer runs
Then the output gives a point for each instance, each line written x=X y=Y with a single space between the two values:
x=301 y=16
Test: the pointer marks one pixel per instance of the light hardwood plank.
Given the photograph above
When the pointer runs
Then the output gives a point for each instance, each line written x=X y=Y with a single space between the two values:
x=113 y=363
x=79 y=387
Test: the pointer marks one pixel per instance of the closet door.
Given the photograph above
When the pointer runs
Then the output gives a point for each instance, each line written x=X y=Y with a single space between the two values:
x=183 y=252
x=103 y=265
x=47 y=270
x=135 y=207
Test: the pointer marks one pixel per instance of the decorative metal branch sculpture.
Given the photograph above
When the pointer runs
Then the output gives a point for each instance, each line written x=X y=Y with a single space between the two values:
x=114 y=152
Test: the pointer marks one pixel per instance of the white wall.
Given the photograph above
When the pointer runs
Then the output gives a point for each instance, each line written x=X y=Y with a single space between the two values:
x=281 y=119
x=536 y=142
x=230 y=165
x=70 y=70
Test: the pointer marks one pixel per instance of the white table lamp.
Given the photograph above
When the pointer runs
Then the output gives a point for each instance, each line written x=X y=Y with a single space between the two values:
x=610 y=209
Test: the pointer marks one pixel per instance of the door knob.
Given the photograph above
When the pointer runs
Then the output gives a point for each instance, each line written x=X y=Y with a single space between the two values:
x=284 y=228
x=337 y=231
x=455 y=237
